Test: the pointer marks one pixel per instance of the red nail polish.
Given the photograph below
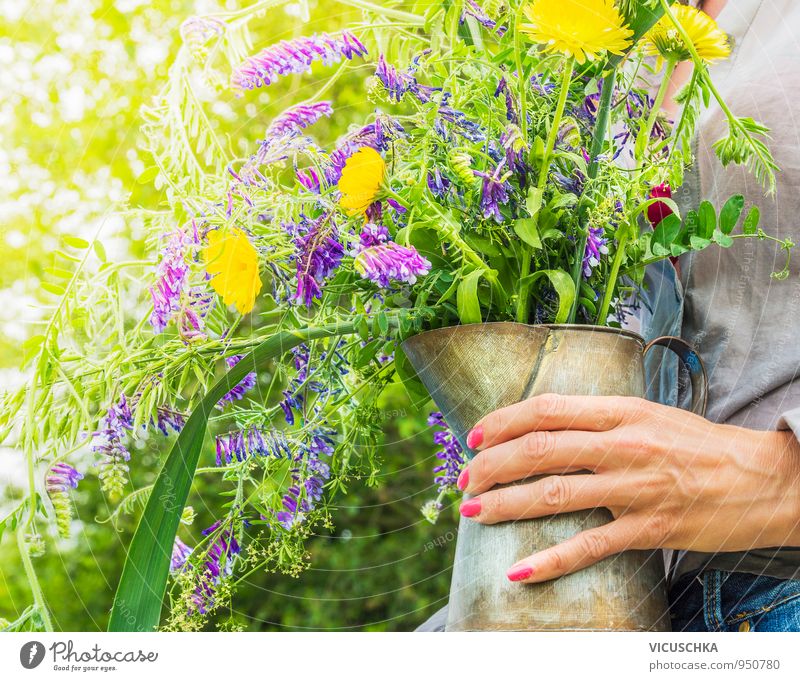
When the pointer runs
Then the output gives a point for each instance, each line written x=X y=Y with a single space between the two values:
x=470 y=508
x=519 y=572
x=475 y=437
x=463 y=480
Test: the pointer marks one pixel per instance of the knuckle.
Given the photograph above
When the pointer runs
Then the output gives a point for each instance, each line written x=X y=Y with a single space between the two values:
x=605 y=418
x=549 y=404
x=555 y=492
x=635 y=408
x=494 y=505
x=479 y=469
x=636 y=442
x=495 y=424
x=657 y=530
x=558 y=562
x=537 y=445
x=594 y=545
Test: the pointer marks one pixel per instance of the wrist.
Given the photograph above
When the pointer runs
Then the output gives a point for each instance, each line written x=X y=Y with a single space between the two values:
x=785 y=454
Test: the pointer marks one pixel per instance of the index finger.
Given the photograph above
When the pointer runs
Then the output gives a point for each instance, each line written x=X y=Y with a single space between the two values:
x=551 y=411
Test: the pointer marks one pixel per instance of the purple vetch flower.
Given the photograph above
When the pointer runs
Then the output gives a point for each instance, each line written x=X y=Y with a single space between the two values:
x=244 y=386
x=167 y=419
x=384 y=263
x=218 y=563
x=451 y=455
x=191 y=317
x=171 y=277
x=396 y=206
x=172 y=296
x=395 y=82
x=309 y=179
x=242 y=444
x=573 y=183
x=398 y=83
x=542 y=88
x=319 y=253
x=308 y=478
x=60 y=479
x=180 y=554
x=109 y=442
x=474 y=10
x=462 y=125
x=514 y=145
x=494 y=191
x=504 y=89
x=197 y=31
x=372 y=235
x=438 y=183
x=297 y=118
x=295 y=56
x=304 y=380
x=374 y=212
x=595 y=247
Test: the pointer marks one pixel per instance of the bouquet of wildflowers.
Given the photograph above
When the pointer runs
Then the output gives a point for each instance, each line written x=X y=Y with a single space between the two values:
x=516 y=166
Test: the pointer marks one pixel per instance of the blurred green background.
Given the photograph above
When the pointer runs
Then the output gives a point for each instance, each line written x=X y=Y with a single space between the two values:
x=73 y=76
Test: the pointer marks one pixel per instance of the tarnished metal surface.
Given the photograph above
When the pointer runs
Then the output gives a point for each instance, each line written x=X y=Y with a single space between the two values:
x=472 y=370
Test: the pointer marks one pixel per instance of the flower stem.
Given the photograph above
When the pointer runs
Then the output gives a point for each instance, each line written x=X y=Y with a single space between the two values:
x=647 y=130
x=598 y=140
x=622 y=242
x=525 y=267
x=30 y=573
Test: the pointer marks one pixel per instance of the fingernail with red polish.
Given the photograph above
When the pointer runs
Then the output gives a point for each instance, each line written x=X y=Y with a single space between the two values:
x=475 y=437
x=470 y=508
x=519 y=572
x=463 y=480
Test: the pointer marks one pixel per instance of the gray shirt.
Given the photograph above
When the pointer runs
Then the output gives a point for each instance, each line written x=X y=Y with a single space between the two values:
x=744 y=324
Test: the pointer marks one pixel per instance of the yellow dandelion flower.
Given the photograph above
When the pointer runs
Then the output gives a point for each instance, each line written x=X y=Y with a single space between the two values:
x=232 y=263
x=582 y=29
x=361 y=180
x=710 y=42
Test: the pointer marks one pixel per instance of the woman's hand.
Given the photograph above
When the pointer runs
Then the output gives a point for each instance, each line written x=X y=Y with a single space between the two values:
x=671 y=479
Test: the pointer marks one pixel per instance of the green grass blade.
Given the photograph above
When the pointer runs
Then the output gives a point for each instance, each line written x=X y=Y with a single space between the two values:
x=137 y=604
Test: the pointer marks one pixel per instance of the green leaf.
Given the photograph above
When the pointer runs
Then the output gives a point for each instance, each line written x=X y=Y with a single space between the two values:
x=707 y=216
x=528 y=231
x=147 y=175
x=366 y=354
x=99 y=251
x=562 y=201
x=52 y=288
x=534 y=200
x=137 y=604
x=383 y=322
x=752 y=221
x=665 y=234
x=699 y=243
x=564 y=287
x=363 y=328
x=469 y=308
x=75 y=242
x=722 y=239
x=731 y=212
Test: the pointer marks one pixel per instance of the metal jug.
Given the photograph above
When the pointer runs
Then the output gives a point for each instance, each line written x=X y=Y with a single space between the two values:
x=474 y=369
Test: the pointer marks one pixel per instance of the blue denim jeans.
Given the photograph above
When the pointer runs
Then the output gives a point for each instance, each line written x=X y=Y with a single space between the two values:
x=715 y=600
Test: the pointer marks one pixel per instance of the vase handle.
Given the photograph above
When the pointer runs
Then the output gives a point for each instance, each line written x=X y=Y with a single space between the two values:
x=691 y=360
